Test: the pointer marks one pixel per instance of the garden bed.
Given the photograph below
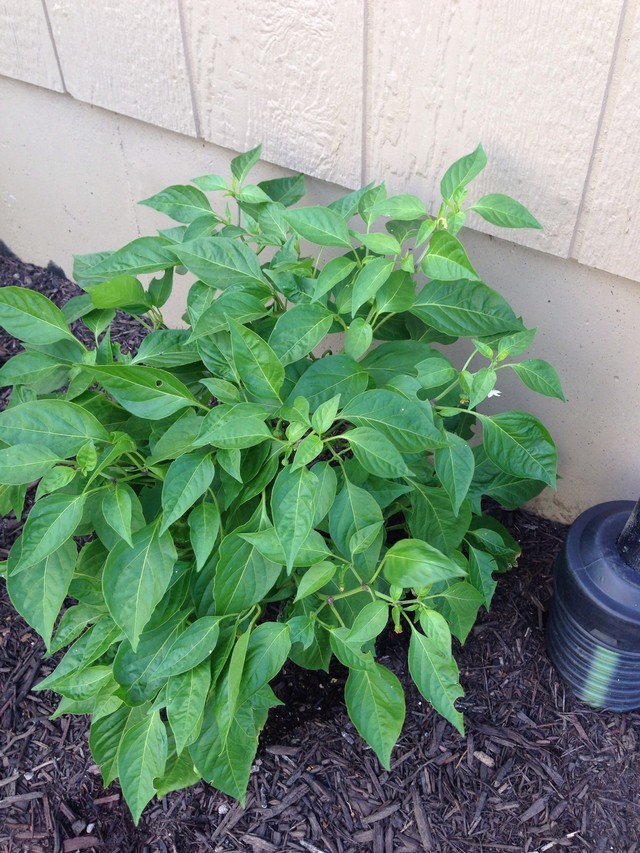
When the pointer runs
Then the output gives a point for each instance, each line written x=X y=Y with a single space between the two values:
x=537 y=770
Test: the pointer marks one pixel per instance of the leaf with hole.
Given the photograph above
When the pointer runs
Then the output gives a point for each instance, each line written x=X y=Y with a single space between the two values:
x=144 y=391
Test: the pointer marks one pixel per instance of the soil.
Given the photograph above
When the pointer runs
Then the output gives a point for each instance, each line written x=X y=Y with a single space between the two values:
x=536 y=771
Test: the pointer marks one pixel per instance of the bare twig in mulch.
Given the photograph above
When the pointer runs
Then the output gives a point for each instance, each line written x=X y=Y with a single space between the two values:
x=536 y=771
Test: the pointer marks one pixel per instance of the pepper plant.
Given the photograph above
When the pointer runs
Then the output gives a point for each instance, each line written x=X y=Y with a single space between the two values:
x=297 y=468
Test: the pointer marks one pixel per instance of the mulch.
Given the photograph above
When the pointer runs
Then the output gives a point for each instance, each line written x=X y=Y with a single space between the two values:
x=536 y=771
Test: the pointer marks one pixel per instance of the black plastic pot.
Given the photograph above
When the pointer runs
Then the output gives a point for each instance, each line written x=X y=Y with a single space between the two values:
x=593 y=632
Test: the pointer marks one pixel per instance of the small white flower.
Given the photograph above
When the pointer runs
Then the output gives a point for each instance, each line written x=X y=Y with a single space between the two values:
x=494 y=393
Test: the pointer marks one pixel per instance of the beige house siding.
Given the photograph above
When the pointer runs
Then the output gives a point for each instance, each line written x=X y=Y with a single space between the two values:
x=104 y=104
x=356 y=90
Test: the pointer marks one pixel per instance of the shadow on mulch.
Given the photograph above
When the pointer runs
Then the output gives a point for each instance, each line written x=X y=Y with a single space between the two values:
x=537 y=770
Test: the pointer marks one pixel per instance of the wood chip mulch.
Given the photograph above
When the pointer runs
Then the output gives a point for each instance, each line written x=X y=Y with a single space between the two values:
x=537 y=770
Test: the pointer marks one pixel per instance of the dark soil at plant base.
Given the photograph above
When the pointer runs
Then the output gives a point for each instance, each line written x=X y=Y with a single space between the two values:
x=537 y=770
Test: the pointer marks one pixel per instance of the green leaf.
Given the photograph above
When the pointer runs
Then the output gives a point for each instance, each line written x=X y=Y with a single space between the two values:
x=186 y=697
x=479 y=384
x=514 y=344
x=28 y=368
x=135 y=579
x=369 y=281
x=167 y=348
x=333 y=272
x=315 y=578
x=286 y=191
x=222 y=390
x=376 y=706
x=459 y=604
x=511 y=492
x=319 y=225
x=293 y=507
x=435 y=372
x=403 y=207
x=540 y=376
x=481 y=569
x=179 y=773
x=381 y=244
x=106 y=736
x=260 y=368
x=243 y=576
x=433 y=519
x=267 y=541
x=466 y=309
x=425 y=231
x=328 y=377
x=135 y=670
x=462 y=172
x=204 y=525
x=160 y=288
x=117 y=508
x=520 y=445
x=144 y=391
x=226 y=747
x=267 y=651
x=38 y=594
x=244 y=163
x=87 y=458
x=414 y=563
x=353 y=510
x=31 y=317
x=376 y=453
x=446 y=259
x=83 y=264
x=495 y=539
x=188 y=478
x=454 y=466
x=144 y=255
x=324 y=416
x=349 y=654
x=299 y=330
x=234 y=426
x=182 y=203
x=309 y=449
x=370 y=622
x=436 y=677
x=327 y=486
x=210 y=183
x=87 y=683
x=358 y=338
x=51 y=522
x=93 y=644
x=23 y=463
x=221 y=262
x=504 y=211
x=57 y=478
x=179 y=438
x=190 y=648
x=398 y=293
x=231 y=462
x=141 y=758
x=72 y=623
x=437 y=630
x=386 y=361
x=123 y=291
x=231 y=304
x=403 y=422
